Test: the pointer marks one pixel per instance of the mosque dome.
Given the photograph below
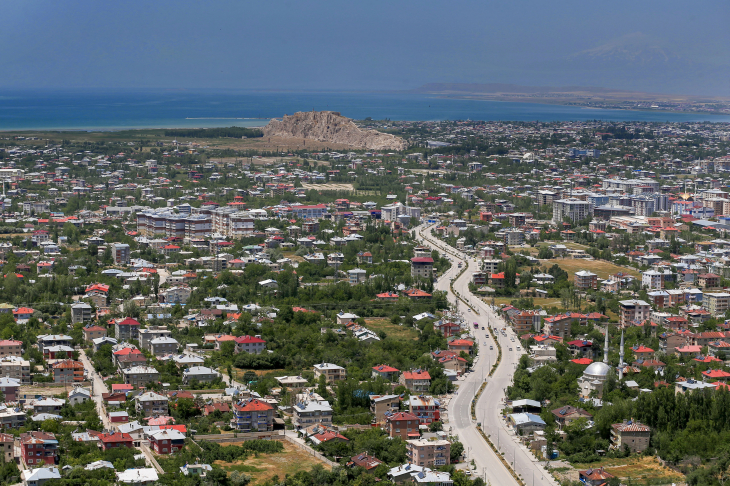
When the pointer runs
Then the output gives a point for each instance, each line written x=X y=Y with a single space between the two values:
x=597 y=369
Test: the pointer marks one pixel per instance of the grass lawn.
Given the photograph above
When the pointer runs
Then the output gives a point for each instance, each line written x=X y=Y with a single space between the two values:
x=378 y=324
x=601 y=268
x=637 y=469
x=266 y=466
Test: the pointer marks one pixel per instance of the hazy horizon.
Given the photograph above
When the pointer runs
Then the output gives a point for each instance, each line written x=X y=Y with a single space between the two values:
x=659 y=47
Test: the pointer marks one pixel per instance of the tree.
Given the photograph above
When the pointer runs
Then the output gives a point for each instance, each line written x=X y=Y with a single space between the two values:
x=457 y=449
x=186 y=408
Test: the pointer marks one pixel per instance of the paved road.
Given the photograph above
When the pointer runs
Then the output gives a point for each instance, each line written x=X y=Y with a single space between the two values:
x=98 y=387
x=490 y=404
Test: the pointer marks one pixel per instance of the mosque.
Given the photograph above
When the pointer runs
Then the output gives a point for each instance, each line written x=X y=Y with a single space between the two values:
x=595 y=375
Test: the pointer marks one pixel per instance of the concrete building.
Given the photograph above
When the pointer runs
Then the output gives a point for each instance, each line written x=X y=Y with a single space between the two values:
x=585 y=280
x=572 y=209
x=429 y=453
x=151 y=403
x=422 y=267
x=634 y=311
x=80 y=312
x=417 y=381
x=331 y=372
x=140 y=375
x=120 y=253
x=201 y=374
x=716 y=303
x=252 y=415
x=162 y=346
x=632 y=434
x=152 y=332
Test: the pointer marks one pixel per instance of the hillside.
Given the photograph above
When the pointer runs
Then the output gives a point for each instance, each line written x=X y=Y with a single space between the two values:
x=330 y=126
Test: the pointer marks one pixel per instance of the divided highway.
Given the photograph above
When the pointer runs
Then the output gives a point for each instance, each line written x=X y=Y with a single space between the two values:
x=491 y=401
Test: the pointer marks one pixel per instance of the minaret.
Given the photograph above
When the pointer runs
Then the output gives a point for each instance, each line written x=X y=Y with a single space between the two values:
x=621 y=358
x=605 y=348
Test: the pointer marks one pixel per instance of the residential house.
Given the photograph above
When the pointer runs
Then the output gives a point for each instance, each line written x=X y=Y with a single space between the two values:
x=140 y=375
x=200 y=374
x=380 y=405
x=402 y=424
x=417 y=381
x=38 y=448
x=632 y=434
x=151 y=403
x=331 y=372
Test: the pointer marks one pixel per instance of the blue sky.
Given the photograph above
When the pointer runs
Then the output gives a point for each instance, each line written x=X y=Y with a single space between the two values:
x=663 y=46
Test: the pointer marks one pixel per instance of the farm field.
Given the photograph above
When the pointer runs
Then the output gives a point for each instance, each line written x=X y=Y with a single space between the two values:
x=263 y=467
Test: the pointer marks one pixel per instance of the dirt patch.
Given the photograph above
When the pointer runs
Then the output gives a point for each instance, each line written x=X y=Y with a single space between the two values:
x=601 y=268
x=266 y=466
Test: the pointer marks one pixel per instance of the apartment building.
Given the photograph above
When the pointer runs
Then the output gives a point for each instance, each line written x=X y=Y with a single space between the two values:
x=572 y=209
x=632 y=434
x=150 y=333
x=331 y=372
x=429 y=453
x=380 y=405
x=716 y=303
x=635 y=311
x=151 y=403
x=38 y=448
x=162 y=346
x=417 y=381
x=200 y=374
x=120 y=253
x=80 y=312
x=252 y=415
x=426 y=408
x=309 y=413
x=422 y=267
x=140 y=375
x=16 y=367
x=93 y=332
x=402 y=424
x=127 y=329
x=585 y=280
x=68 y=371
x=10 y=347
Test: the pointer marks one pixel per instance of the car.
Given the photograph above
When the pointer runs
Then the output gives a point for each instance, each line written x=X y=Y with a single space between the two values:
x=468 y=472
x=518 y=348
x=491 y=348
x=485 y=343
x=510 y=349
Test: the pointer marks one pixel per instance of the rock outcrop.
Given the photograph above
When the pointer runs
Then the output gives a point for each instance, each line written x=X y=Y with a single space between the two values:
x=330 y=126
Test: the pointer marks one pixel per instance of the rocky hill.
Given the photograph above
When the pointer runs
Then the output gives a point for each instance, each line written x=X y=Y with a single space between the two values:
x=330 y=126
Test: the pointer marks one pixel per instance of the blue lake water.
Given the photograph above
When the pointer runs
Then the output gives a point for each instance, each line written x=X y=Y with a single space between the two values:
x=111 y=110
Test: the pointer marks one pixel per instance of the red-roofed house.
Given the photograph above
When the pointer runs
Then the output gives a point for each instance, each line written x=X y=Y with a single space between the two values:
x=387 y=296
x=711 y=375
x=10 y=347
x=417 y=381
x=23 y=313
x=403 y=425
x=594 y=477
x=582 y=361
x=327 y=436
x=249 y=344
x=112 y=441
x=417 y=294
x=581 y=348
x=459 y=345
x=642 y=352
x=385 y=371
